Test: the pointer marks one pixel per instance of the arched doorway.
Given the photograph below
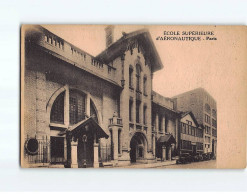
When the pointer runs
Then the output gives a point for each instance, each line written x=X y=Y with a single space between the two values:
x=85 y=150
x=138 y=147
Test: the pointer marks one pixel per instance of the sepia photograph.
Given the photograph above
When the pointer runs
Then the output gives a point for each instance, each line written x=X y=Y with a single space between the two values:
x=123 y=97
x=127 y=96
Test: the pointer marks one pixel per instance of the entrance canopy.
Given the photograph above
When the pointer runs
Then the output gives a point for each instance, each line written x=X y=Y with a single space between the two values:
x=86 y=126
x=166 y=140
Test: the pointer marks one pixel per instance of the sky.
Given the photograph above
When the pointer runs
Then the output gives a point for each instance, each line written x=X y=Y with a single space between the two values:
x=187 y=65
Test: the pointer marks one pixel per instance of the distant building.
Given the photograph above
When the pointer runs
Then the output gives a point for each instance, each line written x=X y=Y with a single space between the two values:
x=204 y=108
x=190 y=134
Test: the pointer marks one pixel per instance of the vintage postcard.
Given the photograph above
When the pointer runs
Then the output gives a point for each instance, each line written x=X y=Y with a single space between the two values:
x=133 y=96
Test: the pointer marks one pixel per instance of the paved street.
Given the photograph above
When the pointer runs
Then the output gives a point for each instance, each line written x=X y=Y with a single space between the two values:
x=211 y=164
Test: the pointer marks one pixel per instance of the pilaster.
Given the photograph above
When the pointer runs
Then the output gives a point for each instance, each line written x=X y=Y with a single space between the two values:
x=154 y=145
x=74 y=162
x=170 y=153
x=96 y=157
x=163 y=153
x=41 y=124
x=66 y=106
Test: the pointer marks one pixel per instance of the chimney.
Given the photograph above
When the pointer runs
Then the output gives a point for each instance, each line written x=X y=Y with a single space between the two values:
x=109 y=35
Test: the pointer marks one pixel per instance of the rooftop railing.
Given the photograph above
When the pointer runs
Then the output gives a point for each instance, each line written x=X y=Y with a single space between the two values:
x=75 y=56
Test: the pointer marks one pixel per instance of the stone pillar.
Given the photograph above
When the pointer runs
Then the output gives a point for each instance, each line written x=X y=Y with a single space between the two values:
x=74 y=162
x=96 y=155
x=88 y=105
x=66 y=106
x=65 y=149
x=115 y=143
x=170 y=153
x=163 y=153
x=120 y=141
x=154 y=145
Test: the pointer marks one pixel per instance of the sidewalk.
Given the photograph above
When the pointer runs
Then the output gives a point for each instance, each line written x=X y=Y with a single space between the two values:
x=150 y=165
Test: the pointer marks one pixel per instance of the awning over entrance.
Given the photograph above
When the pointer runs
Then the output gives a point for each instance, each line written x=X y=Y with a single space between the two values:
x=88 y=125
x=166 y=140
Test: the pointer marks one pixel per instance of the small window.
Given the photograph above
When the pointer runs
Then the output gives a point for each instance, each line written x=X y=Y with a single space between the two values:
x=119 y=142
x=144 y=114
x=130 y=110
x=130 y=77
x=145 y=85
x=138 y=77
x=214 y=113
x=207 y=108
x=138 y=111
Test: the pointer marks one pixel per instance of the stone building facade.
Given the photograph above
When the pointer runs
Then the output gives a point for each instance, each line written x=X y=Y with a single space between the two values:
x=81 y=110
x=204 y=108
x=165 y=122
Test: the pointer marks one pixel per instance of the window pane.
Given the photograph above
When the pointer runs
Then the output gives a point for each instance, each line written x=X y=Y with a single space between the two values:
x=130 y=77
x=130 y=110
x=57 y=111
x=76 y=107
x=137 y=111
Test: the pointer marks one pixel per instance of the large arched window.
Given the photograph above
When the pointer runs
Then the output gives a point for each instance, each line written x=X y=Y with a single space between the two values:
x=77 y=102
x=138 y=77
x=57 y=110
x=77 y=108
x=131 y=77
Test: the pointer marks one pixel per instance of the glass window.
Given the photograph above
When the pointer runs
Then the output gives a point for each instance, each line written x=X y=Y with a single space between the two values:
x=57 y=111
x=130 y=110
x=119 y=142
x=138 y=75
x=144 y=115
x=130 y=77
x=214 y=113
x=145 y=85
x=207 y=108
x=138 y=111
x=76 y=107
